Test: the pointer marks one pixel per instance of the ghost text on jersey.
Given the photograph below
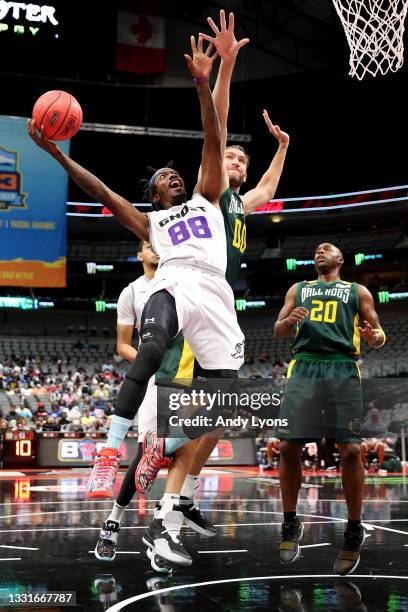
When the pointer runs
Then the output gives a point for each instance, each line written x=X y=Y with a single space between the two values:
x=183 y=212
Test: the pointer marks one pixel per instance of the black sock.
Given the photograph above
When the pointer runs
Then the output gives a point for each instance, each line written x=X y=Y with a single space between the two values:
x=354 y=525
x=289 y=517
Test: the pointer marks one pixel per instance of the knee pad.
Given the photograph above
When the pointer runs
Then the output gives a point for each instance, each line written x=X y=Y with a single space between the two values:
x=154 y=341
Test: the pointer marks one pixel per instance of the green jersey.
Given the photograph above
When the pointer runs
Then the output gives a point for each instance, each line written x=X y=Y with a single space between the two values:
x=332 y=324
x=232 y=209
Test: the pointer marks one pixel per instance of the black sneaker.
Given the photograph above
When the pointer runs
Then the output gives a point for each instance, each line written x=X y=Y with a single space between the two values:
x=160 y=565
x=349 y=556
x=289 y=549
x=197 y=521
x=163 y=536
x=105 y=549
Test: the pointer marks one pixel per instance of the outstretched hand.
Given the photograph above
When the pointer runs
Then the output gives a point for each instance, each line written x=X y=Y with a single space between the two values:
x=39 y=138
x=281 y=137
x=224 y=40
x=370 y=335
x=200 y=64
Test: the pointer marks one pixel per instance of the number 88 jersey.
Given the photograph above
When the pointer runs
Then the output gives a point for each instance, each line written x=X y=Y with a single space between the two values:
x=191 y=233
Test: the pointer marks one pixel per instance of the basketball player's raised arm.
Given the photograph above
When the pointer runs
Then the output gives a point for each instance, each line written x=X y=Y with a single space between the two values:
x=200 y=66
x=266 y=188
x=227 y=47
x=289 y=315
x=127 y=215
x=372 y=331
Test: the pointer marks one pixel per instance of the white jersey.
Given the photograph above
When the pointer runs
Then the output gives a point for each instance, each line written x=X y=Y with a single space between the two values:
x=132 y=301
x=191 y=233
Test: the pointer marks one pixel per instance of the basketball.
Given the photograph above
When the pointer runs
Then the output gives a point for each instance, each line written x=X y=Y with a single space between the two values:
x=59 y=113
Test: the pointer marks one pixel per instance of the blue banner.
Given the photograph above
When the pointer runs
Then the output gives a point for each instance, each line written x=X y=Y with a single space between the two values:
x=33 y=197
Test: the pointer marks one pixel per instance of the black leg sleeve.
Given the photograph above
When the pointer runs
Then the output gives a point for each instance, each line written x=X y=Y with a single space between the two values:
x=128 y=488
x=159 y=326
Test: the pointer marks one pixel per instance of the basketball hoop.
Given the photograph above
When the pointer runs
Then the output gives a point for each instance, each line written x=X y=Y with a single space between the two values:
x=374 y=31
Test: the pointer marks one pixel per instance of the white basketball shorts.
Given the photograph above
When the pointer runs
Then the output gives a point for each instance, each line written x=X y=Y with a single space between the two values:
x=206 y=314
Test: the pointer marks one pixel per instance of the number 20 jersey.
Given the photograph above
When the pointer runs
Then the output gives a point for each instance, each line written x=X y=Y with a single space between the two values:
x=332 y=323
x=192 y=233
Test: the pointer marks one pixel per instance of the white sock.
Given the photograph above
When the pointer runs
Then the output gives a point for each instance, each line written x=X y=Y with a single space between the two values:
x=167 y=503
x=117 y=431
x=117 y=513
x=190 y=485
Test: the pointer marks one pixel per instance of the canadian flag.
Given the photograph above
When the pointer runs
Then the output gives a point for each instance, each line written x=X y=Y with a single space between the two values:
x=140 y=40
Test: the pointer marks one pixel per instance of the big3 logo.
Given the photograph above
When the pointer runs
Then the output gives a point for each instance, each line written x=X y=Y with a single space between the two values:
x=10 y=181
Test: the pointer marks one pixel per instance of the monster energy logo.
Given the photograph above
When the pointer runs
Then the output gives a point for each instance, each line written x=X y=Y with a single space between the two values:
x=291 y=264
x=383 y=297
x=360 y=257
x=93 y=268
x=240 y=305
x=100 y=305
x=243 y=304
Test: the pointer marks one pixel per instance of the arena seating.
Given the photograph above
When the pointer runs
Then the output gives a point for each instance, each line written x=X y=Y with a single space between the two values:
x=376 y=240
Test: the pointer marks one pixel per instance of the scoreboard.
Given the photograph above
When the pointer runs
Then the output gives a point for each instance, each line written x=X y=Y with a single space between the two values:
x=19 y=447
x=27 y=449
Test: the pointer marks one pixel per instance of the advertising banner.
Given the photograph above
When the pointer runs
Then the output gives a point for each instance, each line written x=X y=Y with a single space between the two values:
x=33 y=196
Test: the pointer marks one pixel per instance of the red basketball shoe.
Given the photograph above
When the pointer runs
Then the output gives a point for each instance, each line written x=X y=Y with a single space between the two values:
x=103 y=475
x=153 y=459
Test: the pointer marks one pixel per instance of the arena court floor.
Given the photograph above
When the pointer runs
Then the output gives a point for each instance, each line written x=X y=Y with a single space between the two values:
x=48 y=530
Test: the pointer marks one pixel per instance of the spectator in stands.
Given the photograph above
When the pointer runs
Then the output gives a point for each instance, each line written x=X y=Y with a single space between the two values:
x=21 y=424
x=51 y=424
x=12 y=415
x=41 y=411
x=96 y=425
x=109 y=409
x=101 y=393
x=85 y=404
x=272 y=453
x=75 y=426
x=39 y=389
x=374 y=431
x=87 y=419
x=63 y=419
x=3 y=425
x=38 y=427
x=24 y=412
x=374 y=426
x=74 y=413
x=27 y=391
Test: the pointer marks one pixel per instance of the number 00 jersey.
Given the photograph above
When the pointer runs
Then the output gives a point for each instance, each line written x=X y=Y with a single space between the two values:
x=232 y=209
x=191 y=233
x=332 y=324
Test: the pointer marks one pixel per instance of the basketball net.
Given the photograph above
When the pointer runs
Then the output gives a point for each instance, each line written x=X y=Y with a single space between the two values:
x=374 y=31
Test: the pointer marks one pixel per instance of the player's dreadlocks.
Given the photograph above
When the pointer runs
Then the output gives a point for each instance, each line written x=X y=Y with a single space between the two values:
x=148 y=185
